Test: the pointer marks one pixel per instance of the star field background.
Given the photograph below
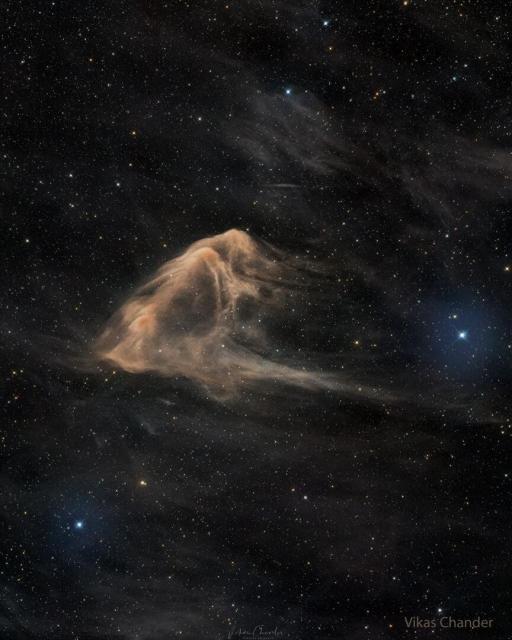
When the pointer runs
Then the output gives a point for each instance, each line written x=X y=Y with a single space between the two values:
x=372 y=137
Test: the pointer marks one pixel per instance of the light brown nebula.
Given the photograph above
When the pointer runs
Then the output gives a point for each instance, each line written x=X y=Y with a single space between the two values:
x=202 y=317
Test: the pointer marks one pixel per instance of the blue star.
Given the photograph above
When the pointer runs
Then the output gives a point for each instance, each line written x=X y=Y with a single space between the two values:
x=79 y=524
x=463 y=335
x=325 y=23
x=288 y=91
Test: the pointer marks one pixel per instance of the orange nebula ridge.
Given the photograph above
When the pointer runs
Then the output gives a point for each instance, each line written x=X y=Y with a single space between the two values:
x=200 y=317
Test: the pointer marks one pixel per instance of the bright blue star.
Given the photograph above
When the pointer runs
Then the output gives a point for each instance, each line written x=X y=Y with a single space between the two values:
x=288 y=91
x=325 y=23
x=79 y=524
x=463 y=335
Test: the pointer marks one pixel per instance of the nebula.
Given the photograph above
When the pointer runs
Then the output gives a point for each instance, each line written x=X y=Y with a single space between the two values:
x=202 y=317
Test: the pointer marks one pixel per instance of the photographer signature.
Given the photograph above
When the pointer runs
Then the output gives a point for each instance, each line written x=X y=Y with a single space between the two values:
x=258 y=632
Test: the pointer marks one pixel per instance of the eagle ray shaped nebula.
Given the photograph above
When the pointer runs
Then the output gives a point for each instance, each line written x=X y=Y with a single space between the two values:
x=200 y=317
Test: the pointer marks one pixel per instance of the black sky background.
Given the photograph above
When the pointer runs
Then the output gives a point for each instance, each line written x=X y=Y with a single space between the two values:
x=373 y=139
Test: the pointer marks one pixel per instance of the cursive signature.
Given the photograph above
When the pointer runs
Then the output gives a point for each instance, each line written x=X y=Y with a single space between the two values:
x=257 y=632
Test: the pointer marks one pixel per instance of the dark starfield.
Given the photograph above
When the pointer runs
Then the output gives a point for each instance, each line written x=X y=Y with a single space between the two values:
x=255 y=324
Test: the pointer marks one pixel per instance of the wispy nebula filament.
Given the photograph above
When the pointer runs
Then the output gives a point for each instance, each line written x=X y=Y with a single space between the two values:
x=200 y=317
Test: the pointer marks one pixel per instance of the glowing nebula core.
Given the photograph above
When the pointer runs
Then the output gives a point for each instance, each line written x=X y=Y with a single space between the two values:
x=200 y=317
